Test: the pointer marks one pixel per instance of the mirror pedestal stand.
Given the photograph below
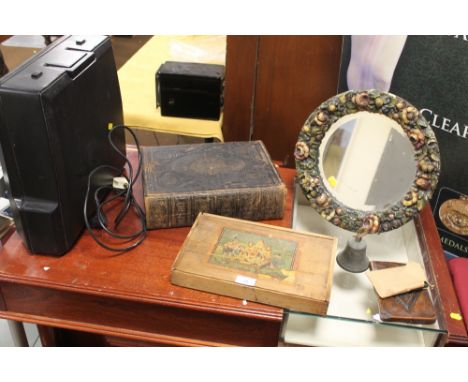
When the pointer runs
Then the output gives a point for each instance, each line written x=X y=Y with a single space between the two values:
x=353 y=258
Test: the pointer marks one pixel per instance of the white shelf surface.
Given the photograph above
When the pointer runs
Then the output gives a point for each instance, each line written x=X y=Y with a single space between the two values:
x=352 y=296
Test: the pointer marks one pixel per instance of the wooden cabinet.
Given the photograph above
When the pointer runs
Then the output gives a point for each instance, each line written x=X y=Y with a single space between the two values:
x=272 y=85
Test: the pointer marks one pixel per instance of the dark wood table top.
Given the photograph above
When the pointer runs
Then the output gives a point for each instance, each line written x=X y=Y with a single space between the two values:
x=142 y=274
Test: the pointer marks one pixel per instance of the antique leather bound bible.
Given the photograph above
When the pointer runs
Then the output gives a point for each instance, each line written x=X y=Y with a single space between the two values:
x=236 y=179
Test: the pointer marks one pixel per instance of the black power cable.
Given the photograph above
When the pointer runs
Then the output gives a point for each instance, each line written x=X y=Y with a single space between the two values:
x=129 y=200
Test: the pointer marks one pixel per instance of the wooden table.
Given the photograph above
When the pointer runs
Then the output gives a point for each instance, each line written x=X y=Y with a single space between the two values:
x=93 y=297
x=127 y=299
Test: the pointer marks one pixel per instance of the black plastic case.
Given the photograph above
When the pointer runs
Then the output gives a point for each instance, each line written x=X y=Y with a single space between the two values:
x=190 y=90
x=54 y=115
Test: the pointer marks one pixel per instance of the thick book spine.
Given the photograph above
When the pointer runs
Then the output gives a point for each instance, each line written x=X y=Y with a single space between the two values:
x=181 y=209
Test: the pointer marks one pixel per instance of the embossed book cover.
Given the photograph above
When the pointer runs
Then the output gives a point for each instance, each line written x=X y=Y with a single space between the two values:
x=257 y=262
x=236 y=179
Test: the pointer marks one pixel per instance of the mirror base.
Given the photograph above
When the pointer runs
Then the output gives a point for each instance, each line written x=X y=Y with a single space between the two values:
x=354 y=258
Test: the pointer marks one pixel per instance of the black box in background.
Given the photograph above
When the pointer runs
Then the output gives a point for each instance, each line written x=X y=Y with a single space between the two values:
x=190 y=90
x=55 y=110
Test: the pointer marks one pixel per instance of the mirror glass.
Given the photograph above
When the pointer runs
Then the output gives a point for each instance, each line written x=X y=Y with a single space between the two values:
x=367 y=161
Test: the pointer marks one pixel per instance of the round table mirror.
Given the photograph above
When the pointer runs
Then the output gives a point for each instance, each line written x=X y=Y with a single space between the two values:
x=368 y=162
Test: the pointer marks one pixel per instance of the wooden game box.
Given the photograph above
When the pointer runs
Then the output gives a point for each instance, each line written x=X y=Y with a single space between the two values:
x=257 y=262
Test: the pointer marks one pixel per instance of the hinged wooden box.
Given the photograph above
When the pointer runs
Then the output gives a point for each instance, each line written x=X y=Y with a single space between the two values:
x=257 y=262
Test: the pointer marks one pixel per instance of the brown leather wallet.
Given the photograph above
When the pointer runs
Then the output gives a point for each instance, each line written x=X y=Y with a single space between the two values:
x=412 y=307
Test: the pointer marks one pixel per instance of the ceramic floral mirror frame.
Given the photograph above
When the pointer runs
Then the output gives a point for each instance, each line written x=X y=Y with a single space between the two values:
x=415 y=127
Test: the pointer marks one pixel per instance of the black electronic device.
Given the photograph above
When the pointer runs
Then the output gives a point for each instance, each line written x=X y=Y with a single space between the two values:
x=190 y=90
x=55 y=111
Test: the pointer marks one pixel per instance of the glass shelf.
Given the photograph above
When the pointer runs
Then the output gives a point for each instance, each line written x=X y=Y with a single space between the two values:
x=353 y=314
